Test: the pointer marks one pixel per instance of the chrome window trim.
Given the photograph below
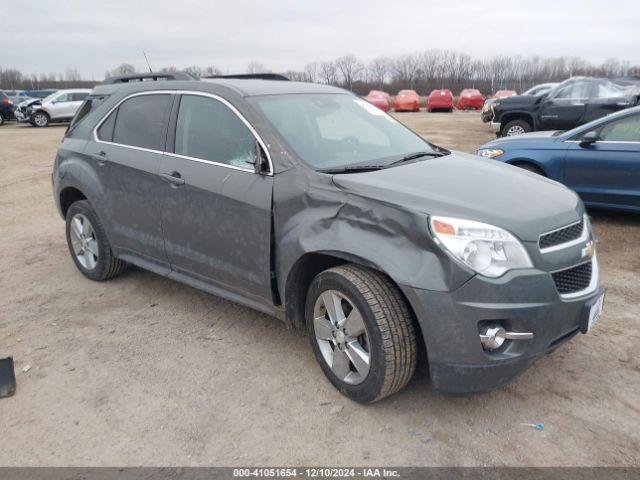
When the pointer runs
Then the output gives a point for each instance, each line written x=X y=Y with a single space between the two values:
x=194 y=159
x=584 y=236
x=593 y=284
x=603 y=141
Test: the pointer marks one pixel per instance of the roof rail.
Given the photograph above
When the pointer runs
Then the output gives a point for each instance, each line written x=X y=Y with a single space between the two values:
x=146 y=77
x=253 y=76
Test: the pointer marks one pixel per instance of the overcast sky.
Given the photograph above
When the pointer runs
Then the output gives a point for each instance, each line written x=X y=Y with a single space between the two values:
x=94 y=36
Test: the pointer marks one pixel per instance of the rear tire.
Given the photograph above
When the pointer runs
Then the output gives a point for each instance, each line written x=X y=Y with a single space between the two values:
x=516 y=127
x=40 y=119
x=88 y=243
x=377 y=325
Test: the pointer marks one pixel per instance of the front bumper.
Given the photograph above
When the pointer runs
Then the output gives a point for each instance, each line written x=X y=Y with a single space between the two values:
x=21 y=116
x=521 y=301
x=495 y=126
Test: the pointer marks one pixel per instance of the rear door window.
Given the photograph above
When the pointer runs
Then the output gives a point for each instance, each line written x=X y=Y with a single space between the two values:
x=574 y=90
x=141 y=121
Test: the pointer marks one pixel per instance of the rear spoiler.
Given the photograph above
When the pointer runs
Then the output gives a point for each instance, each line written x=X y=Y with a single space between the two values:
x=147 y=77
x=253 y=76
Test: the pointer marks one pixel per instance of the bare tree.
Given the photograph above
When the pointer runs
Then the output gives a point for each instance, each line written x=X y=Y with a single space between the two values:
x=194 y=71
x=311 y=72
x=256 y=67
x=405 y=69
x=122 y=69
x=72 y=75
x=379 y=69
x=212 y=71
x=329 y=73
x=350 y=68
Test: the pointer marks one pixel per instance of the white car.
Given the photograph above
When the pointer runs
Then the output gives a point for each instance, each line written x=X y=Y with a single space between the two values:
x=60 y=106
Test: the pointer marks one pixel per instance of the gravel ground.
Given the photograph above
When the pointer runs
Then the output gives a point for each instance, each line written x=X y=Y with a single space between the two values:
x=144 y=371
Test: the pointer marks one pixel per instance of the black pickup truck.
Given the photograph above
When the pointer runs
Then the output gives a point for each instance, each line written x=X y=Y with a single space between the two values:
x=571 y=103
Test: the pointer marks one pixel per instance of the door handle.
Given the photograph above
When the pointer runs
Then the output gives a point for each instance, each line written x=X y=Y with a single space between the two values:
x=173 y=178
x=100 y=157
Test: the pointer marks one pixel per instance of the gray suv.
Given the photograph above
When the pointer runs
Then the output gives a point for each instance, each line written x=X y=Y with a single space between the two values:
x=307 y=203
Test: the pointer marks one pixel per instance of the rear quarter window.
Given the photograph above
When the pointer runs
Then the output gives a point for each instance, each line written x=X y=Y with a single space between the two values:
x=90 y=104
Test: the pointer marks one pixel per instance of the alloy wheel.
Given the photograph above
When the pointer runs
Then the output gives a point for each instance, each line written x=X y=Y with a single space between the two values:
x=515 y=130
x=84 y=241
x=40 y=119
x=342 y=337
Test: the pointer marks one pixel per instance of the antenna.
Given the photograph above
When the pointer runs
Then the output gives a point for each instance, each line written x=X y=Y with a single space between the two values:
x=147 y=60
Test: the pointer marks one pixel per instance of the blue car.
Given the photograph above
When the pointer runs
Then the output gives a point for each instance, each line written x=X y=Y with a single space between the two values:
x=599 y=160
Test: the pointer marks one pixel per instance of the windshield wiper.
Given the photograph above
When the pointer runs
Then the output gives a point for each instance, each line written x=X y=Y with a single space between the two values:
x=352 y=169
x=414 y=156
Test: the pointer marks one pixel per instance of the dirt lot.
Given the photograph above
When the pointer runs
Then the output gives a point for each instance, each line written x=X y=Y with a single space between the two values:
x=144 y=371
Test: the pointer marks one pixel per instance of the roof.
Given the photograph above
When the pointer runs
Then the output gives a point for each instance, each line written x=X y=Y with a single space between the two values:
x=242 y=87
x=250 y=88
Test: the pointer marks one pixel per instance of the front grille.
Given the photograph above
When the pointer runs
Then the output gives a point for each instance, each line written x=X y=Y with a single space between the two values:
x=574 y=279
x=563 y=235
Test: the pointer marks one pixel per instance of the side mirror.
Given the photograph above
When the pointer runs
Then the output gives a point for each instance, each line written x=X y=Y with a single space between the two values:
x=259 y=161
x=589 y=138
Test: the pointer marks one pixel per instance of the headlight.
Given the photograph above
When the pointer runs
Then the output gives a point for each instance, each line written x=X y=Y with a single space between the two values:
x=489 y=152
x=488 y=250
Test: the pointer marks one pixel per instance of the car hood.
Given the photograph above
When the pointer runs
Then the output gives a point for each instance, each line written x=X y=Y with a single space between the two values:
x=30 y=102
x=526 y=140
x=471 y=187
x=518 y=100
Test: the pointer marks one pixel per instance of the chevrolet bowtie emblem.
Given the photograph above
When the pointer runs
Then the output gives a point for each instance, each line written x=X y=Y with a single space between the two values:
x=588 y=250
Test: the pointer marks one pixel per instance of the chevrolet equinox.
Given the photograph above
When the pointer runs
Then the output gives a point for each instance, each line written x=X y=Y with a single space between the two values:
x=309 y=204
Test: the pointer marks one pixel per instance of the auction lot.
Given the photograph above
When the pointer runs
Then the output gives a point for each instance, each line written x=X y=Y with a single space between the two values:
x=141 y=370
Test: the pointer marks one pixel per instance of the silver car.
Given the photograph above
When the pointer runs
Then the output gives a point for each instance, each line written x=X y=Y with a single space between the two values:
x=60 y=106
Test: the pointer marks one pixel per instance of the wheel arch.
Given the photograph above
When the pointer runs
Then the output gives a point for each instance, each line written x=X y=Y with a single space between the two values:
x=68 y=196
x=521 y=161
x=305 y=269
x=507 y=117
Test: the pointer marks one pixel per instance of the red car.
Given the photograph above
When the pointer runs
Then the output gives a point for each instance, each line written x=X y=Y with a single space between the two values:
x=504 y=94
x=470 y=98
x=407 y=101
x=440 y=100
x=379 y=99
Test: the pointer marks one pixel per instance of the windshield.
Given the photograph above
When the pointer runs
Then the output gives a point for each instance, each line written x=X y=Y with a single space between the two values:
x=538 y=90
x=49 y=97
x=333 y=130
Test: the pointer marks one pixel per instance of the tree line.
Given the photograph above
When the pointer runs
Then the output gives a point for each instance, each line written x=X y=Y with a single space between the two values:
x=421 y=71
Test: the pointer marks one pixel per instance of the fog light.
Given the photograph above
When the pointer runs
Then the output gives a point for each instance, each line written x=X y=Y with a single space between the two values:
x=494 y=337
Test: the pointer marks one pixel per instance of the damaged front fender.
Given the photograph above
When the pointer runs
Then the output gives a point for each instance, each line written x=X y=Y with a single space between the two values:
x=312 y=215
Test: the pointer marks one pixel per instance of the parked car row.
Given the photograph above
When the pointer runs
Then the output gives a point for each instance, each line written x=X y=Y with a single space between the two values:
x=439 y=99
x=563 y=106
x=41 y=107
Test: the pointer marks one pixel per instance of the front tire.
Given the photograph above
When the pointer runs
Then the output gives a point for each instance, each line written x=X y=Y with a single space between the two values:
x=516 y=127
x=1 y=120
x=40 y=119
x=88 y=243
x=361 y=332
